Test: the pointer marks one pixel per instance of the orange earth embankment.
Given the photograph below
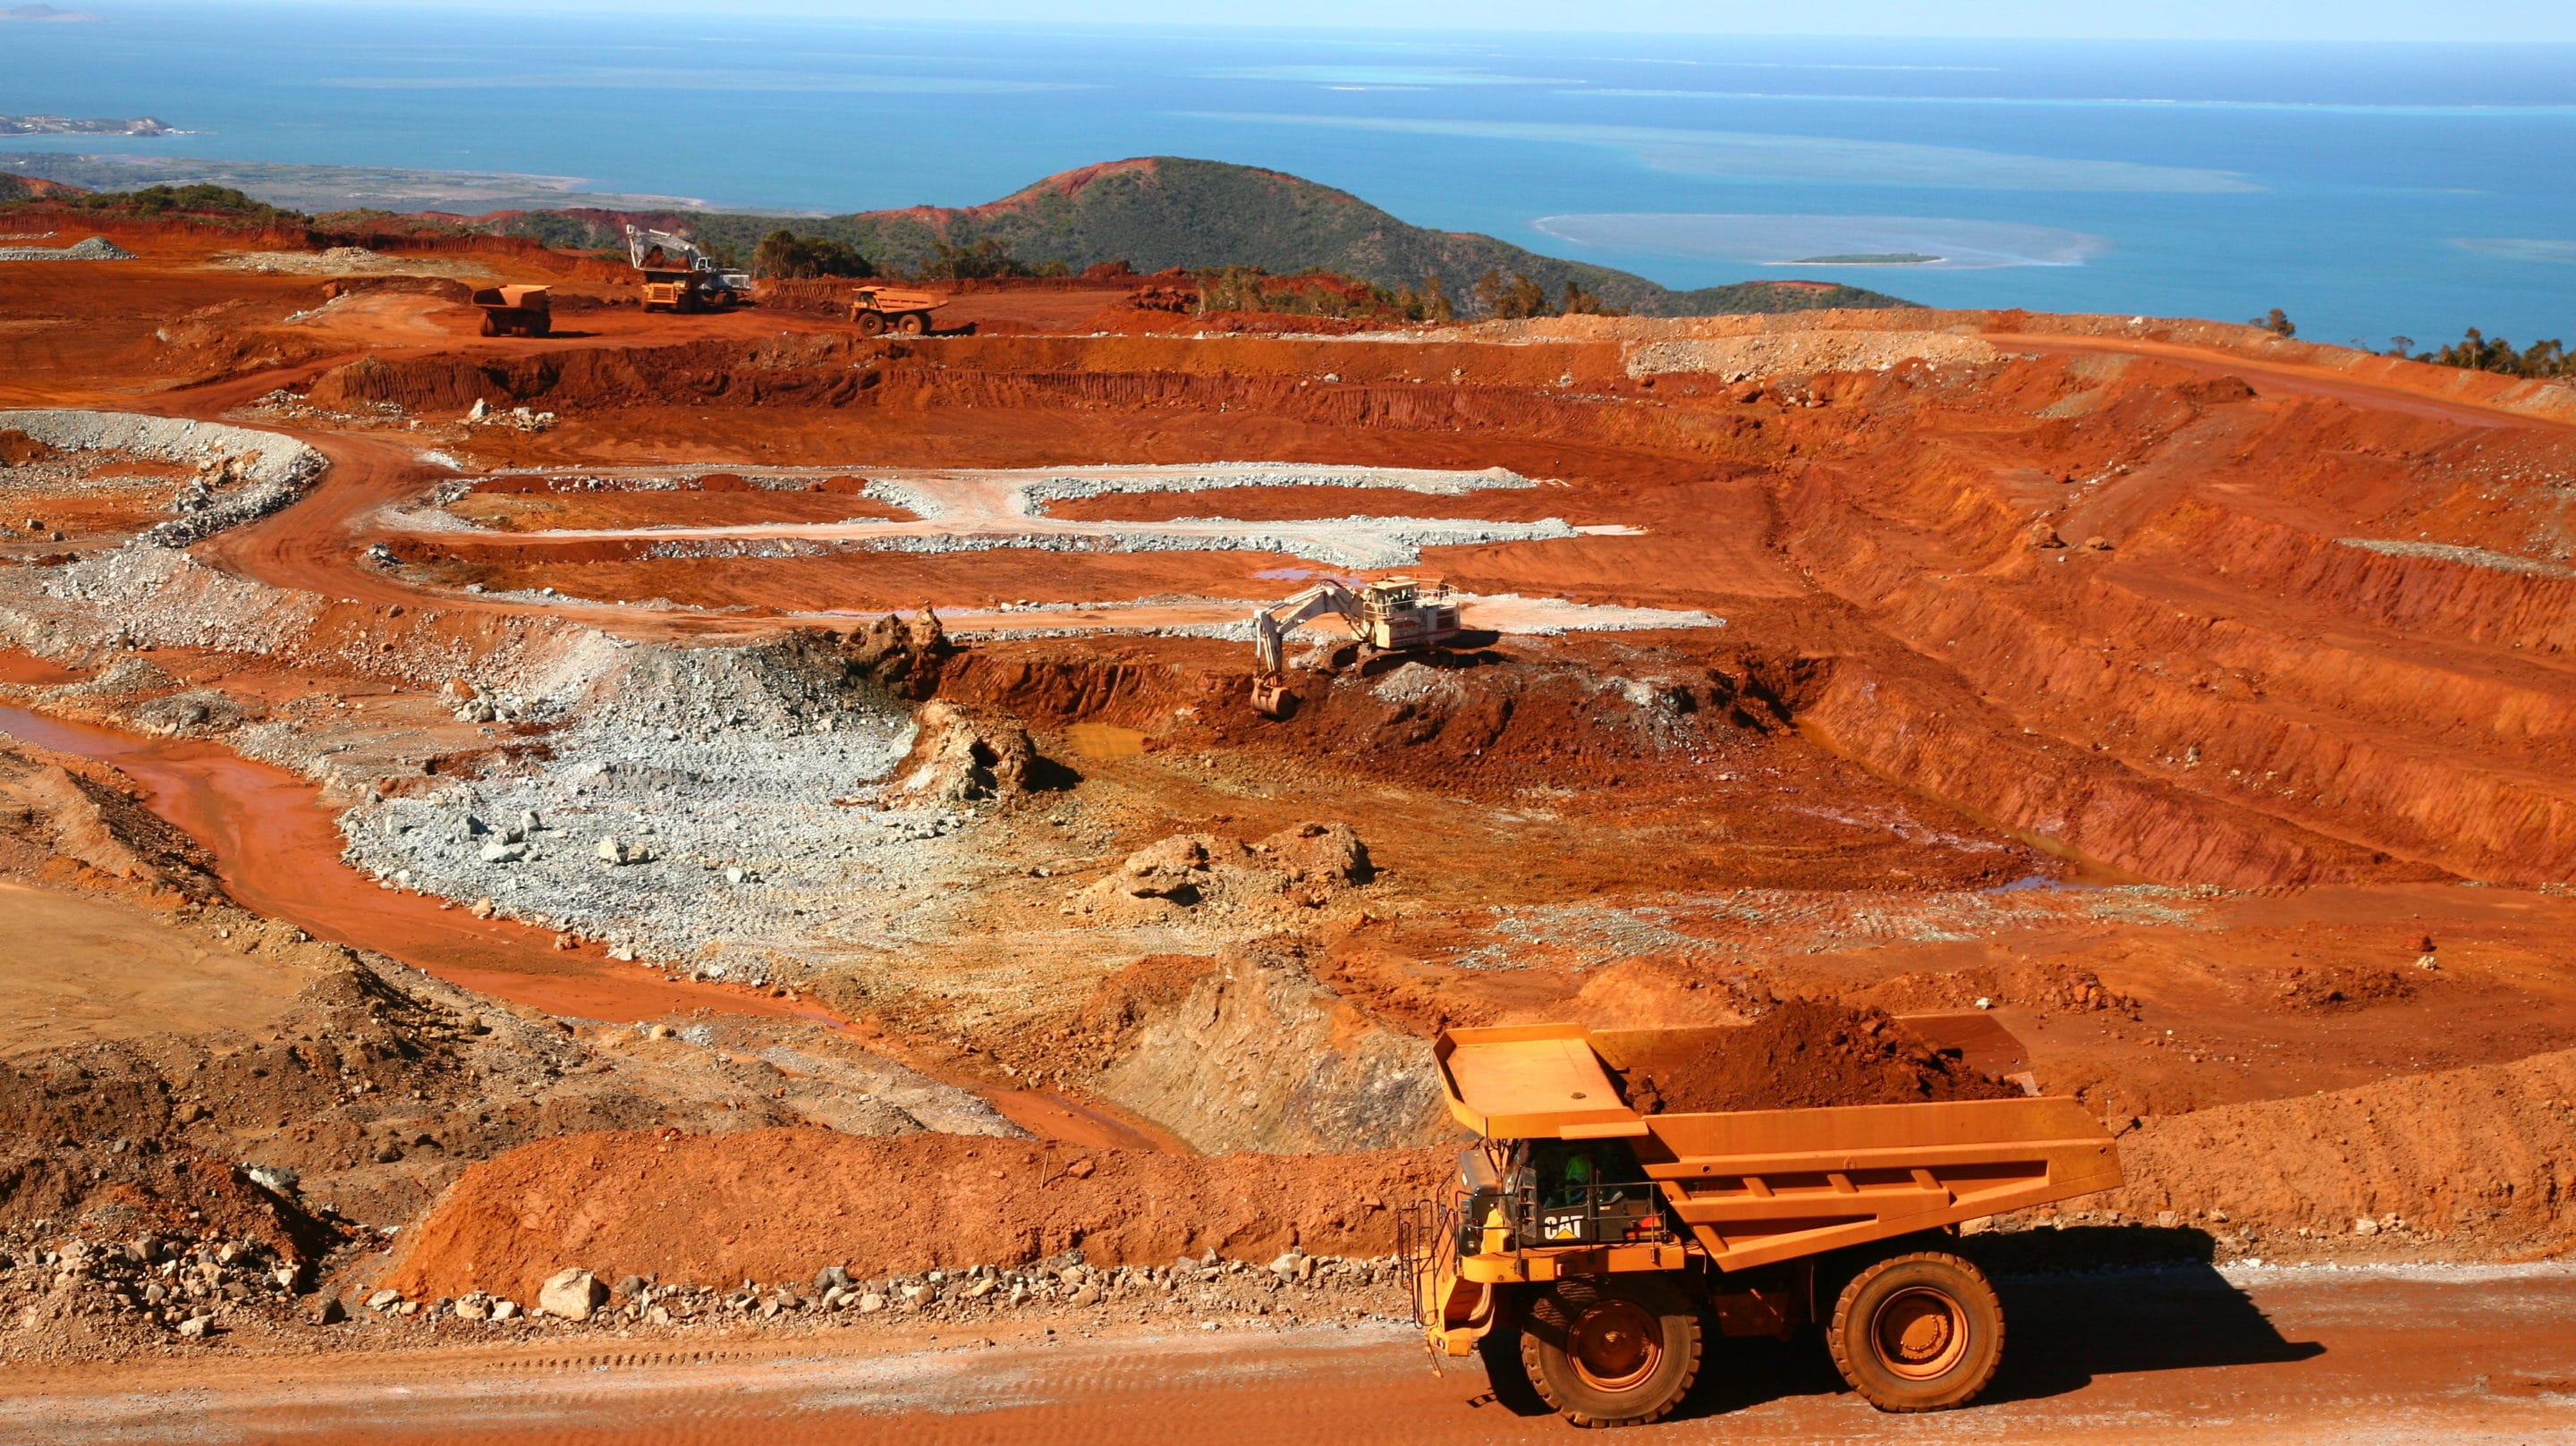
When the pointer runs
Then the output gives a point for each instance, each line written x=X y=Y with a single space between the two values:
x=781 y=1204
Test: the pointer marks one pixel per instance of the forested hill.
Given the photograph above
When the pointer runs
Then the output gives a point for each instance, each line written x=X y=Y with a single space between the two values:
x=1159 y=212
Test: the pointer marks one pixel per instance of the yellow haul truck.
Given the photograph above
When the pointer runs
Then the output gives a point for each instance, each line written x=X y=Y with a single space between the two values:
x=1594 y=1247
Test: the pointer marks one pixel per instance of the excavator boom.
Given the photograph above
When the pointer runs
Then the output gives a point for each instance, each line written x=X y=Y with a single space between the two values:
x=1392 y=614
x=1272 y=625
x=679 y=275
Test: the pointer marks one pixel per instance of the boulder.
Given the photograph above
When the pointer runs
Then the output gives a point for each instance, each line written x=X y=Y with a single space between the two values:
x=1168 y=868
x=572 y=1293
x=1318 y=853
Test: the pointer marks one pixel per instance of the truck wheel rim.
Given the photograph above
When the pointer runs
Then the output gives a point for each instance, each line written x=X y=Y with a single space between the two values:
x=1615 y=1345
x=1919 y=1333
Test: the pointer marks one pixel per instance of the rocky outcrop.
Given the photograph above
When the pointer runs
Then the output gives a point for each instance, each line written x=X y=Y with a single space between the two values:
x=960 y=758
x=1258 y=1054
x=1301 y=866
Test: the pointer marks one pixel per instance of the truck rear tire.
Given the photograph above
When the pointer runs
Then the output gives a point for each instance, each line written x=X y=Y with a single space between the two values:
x=912 y=323
x=1611 y=1350
x=1918 y=1332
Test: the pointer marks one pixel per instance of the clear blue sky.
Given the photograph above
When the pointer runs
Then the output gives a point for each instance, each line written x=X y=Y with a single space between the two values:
x=2330 y=20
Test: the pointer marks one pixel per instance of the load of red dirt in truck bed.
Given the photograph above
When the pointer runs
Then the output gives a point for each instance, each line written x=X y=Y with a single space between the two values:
x=1806 y=1054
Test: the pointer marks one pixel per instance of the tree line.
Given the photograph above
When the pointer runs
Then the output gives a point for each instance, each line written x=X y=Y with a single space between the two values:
x=2479 y=352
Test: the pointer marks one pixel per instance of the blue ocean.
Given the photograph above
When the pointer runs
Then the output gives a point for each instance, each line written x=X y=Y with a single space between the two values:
x=2368 y=190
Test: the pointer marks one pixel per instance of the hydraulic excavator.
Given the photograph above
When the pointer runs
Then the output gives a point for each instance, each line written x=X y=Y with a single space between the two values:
x=679 y=275
x=1392 y=614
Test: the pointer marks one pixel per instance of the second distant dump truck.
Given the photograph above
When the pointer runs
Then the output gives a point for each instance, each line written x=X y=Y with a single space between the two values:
x=516 y=310
x=879 y=309
x=1596 y=1248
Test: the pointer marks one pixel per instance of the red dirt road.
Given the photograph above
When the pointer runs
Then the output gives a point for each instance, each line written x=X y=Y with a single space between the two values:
x=2307 y=1356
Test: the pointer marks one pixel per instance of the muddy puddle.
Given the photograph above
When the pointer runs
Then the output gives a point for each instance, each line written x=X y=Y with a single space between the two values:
x=1105 y=742
x=277 y=851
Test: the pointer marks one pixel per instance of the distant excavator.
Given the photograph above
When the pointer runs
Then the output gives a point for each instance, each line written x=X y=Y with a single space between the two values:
x=680 y=276
x=1392 y=614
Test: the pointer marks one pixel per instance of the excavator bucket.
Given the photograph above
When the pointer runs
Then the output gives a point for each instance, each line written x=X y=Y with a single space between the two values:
x=1271 y=698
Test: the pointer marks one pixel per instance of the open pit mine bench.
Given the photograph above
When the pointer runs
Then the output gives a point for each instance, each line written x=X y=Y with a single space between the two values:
x=1594 y=1248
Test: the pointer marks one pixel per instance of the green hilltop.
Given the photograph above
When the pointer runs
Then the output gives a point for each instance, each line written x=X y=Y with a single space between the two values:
x=1160 y=212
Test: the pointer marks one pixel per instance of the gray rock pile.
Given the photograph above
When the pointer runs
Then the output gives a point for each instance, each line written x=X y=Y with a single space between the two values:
x=711 y=804
x=96 y=248
x=141 y=1288
x=244 y=474
x=1295 y=1286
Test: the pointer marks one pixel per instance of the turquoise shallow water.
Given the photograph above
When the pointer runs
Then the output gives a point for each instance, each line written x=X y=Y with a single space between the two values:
x=2369 y=190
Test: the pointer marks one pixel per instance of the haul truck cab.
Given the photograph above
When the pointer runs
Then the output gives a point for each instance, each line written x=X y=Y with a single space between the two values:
x=1595 y=1248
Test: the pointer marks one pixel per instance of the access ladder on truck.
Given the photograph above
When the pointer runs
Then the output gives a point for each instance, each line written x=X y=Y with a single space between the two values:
x=1591 y=1246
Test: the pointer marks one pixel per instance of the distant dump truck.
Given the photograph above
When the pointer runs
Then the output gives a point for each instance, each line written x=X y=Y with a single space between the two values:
x=879 y=309
x=1592 y=1246
x=516 y=310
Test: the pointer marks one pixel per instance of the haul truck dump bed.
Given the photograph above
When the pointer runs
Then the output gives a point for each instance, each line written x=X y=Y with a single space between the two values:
x=1593 y=1247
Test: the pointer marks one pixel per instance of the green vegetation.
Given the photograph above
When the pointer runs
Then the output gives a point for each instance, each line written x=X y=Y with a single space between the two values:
x=1763 y=297
x=786 y=254
x=1158 y=214
x=2480 y=352
x=1169 y=213
x=565 y=230
x=977 y=260
x=1319 y=293
x=195 y=200
x=2278 y=323
x=1431 y=303
x=1579 y=302
x=1502 y=299
x=369 y=220
x=190 y=202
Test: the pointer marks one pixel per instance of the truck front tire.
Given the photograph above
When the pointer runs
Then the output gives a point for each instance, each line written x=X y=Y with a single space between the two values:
x=1611 y=1350
x=1918 y=1332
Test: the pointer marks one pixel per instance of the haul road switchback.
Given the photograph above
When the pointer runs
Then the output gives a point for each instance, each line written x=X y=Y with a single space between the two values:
x=1591 y=1246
